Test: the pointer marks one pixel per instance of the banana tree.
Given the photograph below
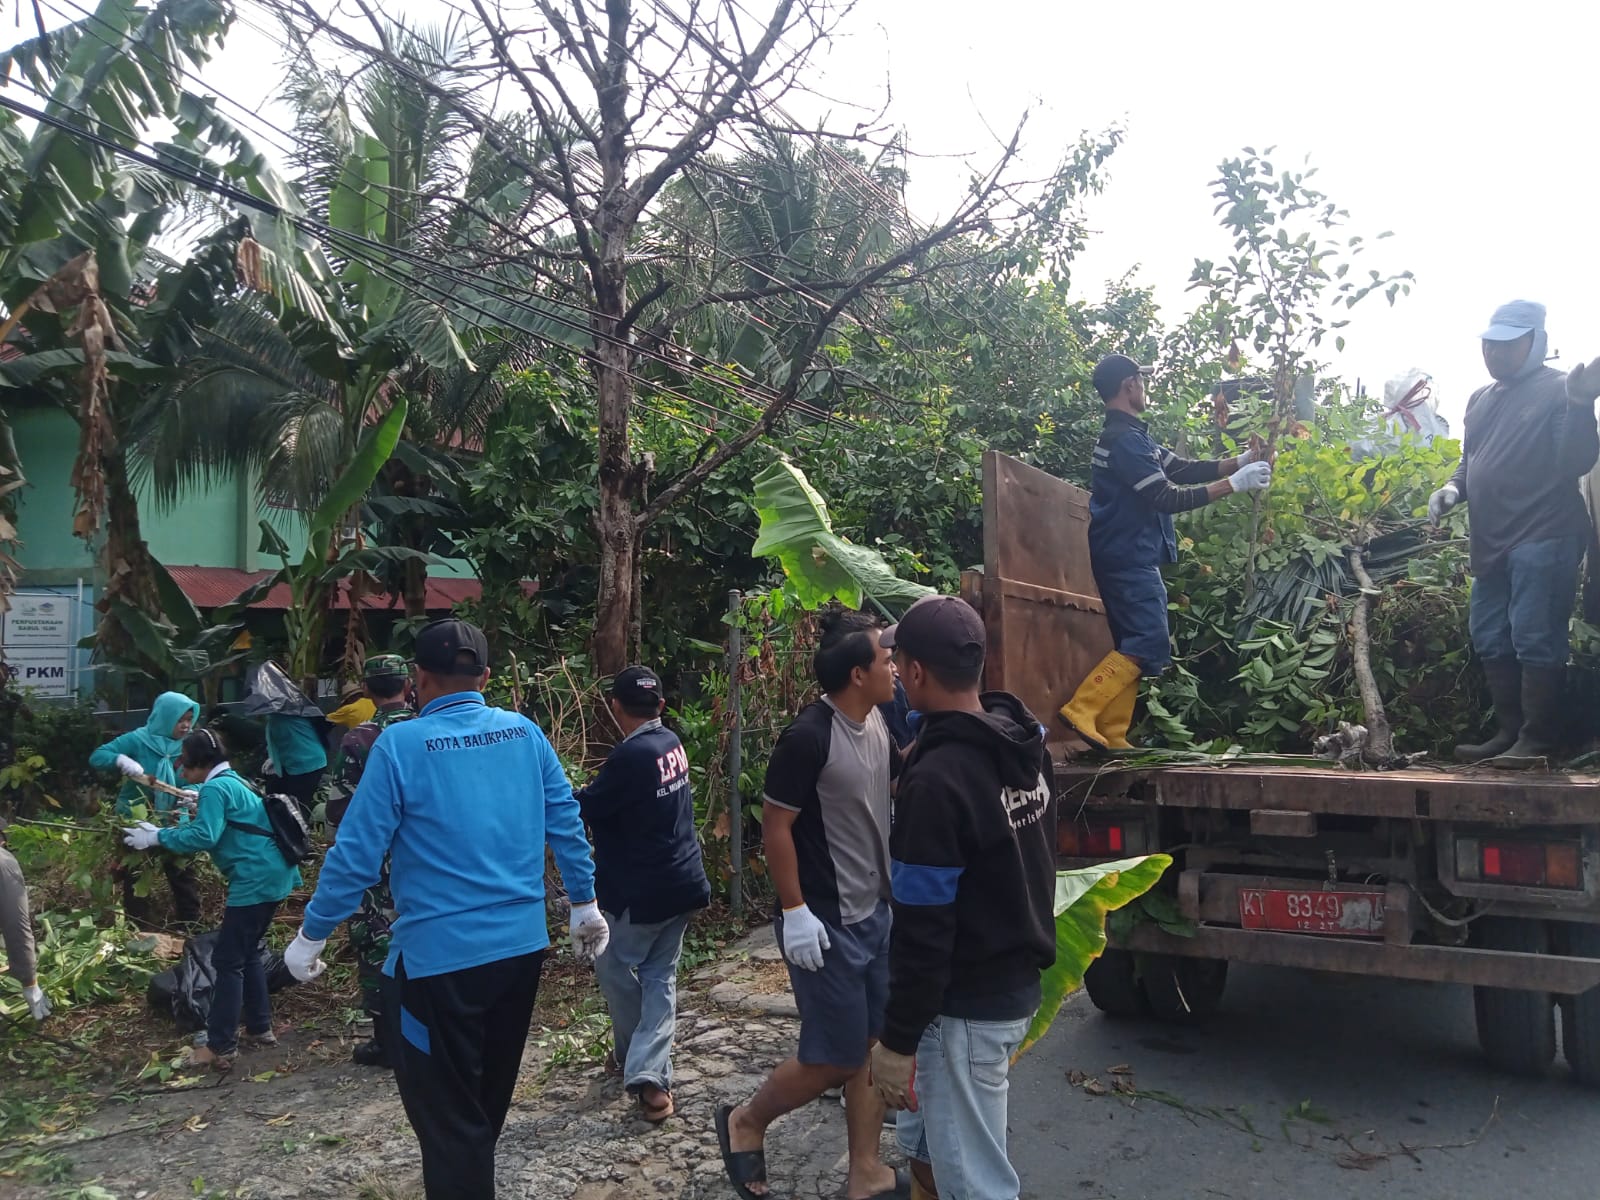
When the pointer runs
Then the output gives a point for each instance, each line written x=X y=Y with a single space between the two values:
x=1084 y=898
x=334 y=552
x=100 y=318
x=387 y=161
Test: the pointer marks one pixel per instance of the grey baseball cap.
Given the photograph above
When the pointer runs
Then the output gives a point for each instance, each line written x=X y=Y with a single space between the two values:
x=1514 y=320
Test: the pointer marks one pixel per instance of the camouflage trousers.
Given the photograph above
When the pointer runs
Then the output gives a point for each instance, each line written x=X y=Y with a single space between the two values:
x=369 y=936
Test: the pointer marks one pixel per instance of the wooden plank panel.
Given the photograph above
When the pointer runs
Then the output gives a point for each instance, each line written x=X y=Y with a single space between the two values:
x=1046 y=625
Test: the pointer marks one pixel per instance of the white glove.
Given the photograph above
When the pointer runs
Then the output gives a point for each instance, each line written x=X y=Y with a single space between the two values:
x=38 y=1002
x=590 y=933
x=189 y=802
x=1252 y=477
x=1245 y=459
x=130 y=767
x=1442 y=502
x=804 y=938
x=141 y=836
x=1583 y=383
x=304 y=958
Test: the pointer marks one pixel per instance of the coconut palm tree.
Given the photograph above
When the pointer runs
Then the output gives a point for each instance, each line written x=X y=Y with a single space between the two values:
x=424 y=219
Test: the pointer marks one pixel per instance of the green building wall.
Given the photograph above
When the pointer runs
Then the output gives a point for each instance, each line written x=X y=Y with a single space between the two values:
x=216 y=526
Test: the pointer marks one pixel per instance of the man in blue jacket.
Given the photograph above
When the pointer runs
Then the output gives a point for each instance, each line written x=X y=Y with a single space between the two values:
x=462 y=799
x=1137 y=486
x=649 y=879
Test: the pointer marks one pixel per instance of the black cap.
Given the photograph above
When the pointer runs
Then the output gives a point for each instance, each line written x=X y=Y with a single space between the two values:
x=637 y=687
x=1112 y=370
x=452 y=647
x=942 y=631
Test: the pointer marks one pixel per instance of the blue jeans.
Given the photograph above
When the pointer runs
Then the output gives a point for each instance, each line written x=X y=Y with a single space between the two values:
x=638 y=975
x=1523 y=607
x=1136 y=609
x=241 y=979
x=963 y=1076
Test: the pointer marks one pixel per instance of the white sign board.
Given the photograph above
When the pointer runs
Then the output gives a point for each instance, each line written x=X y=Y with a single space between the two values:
x=38 y=619
x=43 y=670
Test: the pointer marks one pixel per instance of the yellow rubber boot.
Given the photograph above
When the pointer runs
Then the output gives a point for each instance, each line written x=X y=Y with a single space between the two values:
x=1118 y=715
x=1095 y=694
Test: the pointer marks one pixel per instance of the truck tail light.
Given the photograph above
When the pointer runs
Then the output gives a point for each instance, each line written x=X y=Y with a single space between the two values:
x=1100 y=839
x=1520 y=863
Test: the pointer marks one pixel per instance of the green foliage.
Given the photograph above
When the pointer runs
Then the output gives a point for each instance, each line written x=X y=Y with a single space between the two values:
x=820 y=565
x=1270 y=670
x=84 y=958
x=313 y=580
x=52 y=743
x=1270 y=291
x=1084 y=898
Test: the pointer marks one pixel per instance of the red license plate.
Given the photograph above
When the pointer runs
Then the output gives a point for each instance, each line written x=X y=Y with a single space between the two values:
x=1342 y=914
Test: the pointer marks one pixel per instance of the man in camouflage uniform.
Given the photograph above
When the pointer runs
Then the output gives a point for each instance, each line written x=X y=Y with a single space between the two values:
x=388 y=682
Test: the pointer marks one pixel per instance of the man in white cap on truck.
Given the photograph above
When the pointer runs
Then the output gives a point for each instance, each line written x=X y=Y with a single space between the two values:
x=1528 y=439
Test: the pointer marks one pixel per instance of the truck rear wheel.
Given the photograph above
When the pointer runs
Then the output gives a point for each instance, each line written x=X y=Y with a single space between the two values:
x=1112 y=982
x=1580 y=1015
x=1516 y=1029
x=1181 y=988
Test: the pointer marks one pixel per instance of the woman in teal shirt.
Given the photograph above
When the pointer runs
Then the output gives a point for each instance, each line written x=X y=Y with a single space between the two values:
x=258 y=880
x=295 y=745
x=153 y=751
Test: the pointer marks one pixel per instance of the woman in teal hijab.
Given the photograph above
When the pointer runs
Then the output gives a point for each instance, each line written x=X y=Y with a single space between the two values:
x=153 y=750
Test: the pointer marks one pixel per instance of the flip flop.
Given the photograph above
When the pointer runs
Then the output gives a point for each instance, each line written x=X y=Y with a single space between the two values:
x=743 y=1166
x=656 y=1113
x=901 y=1189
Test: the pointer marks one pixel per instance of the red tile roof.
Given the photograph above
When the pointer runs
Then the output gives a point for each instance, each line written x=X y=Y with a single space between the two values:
x=212 y=587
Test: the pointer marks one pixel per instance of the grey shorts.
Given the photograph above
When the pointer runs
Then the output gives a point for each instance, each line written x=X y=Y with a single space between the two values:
x=842 y=1005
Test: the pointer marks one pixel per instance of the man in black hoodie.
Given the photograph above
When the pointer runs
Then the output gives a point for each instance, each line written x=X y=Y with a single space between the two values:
x=973 y=879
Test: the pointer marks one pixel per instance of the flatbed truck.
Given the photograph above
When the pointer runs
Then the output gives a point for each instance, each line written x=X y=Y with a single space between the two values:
x=1478 y=877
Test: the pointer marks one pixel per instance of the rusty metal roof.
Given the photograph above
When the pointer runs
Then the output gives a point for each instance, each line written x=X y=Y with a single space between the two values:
x=212 y=587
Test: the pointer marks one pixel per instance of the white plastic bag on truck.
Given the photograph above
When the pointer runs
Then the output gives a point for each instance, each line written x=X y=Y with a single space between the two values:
x=1409 y=407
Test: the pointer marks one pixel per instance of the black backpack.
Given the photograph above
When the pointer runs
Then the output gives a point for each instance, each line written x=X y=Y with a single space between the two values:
x=288 y=828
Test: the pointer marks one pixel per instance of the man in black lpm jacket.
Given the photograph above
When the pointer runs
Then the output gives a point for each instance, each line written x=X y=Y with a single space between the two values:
x=649 y=879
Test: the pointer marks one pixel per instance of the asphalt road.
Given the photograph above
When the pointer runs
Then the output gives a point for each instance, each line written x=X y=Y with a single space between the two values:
x=1303 y=1085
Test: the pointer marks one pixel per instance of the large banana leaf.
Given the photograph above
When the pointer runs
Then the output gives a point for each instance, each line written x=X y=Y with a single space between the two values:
x=427 y=329
x=115 y=82
x=1083 y=898
x=377 y=444
x=821 y=565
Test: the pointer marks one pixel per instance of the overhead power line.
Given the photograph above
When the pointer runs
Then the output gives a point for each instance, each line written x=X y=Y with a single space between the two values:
x=360 y=248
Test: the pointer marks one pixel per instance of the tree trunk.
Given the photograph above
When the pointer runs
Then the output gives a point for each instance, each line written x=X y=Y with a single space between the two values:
x=1380 y=742
x=611 y=230
x=416 y=586
x=617 y=524
x=128 y=565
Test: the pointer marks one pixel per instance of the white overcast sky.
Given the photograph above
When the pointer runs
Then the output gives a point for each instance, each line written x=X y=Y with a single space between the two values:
x=1468 y=129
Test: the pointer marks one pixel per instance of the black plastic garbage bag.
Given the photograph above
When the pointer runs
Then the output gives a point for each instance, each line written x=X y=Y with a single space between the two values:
x=269 y=690
x=184 y=991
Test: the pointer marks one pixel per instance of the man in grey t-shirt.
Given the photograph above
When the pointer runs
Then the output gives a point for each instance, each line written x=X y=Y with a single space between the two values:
x=826 y=829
